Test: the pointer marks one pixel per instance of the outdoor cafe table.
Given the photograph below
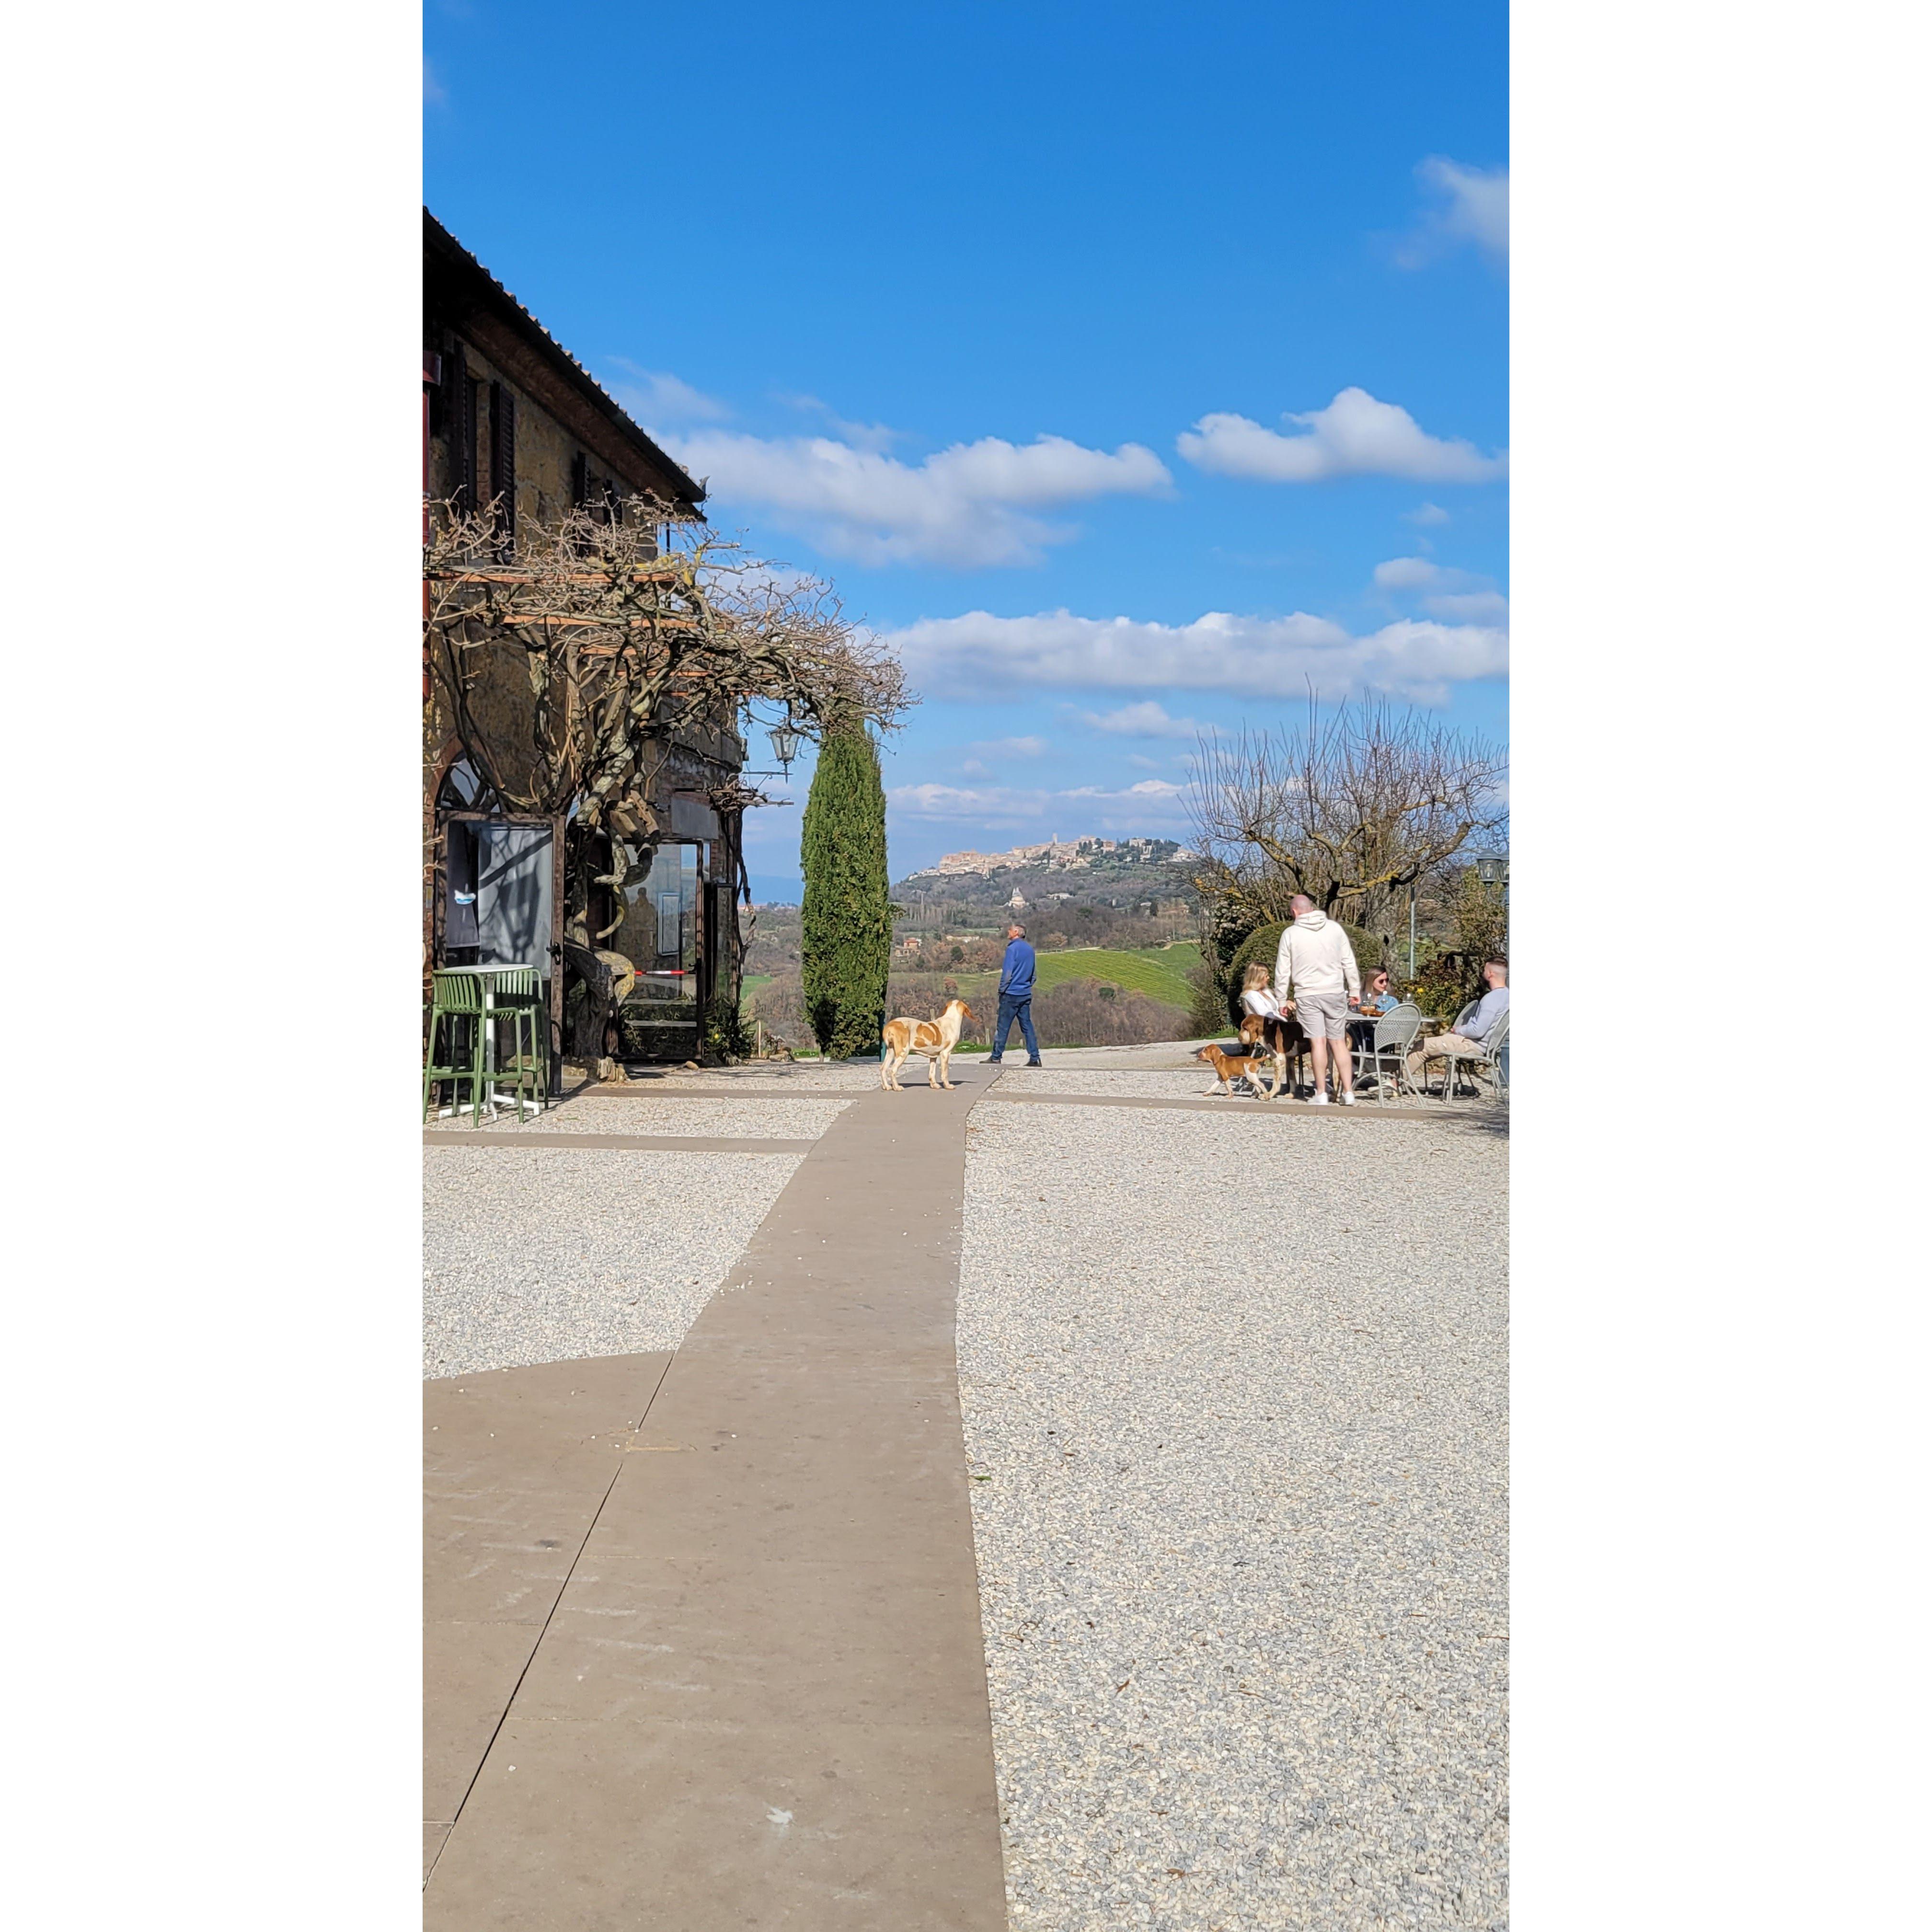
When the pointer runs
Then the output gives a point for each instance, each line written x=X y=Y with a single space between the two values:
x=488 y=974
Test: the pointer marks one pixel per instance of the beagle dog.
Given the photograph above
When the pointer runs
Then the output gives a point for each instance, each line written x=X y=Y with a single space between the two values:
x=935 y=1038
x=1230 y=1067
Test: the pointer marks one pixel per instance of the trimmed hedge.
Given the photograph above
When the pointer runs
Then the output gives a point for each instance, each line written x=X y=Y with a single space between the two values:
x=1264 y=942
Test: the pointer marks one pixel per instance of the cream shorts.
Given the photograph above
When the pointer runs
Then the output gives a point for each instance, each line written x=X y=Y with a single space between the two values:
x=1323 y=1016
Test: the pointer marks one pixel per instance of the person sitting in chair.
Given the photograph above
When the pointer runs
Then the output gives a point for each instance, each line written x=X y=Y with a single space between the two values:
x=1377 y=1000
x=1267 y=1022
x=1256 y=996
x=1467 y=1041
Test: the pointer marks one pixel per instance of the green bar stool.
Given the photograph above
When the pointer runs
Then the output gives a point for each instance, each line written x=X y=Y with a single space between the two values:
x=456 y=1004
x=517 y=999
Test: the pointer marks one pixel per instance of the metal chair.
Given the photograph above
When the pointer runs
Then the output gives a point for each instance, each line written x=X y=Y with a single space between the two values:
x=1385 y=1053
x=516 y=999
x=456 y=1002
x=1487 y=1059
x=1495 y=1051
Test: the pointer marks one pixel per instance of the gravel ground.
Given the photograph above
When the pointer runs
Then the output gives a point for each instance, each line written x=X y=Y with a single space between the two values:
x=545 y=1254
x=1188 y=1085
x=757 y=1116
x=807 y=1077
x=1240 y=1515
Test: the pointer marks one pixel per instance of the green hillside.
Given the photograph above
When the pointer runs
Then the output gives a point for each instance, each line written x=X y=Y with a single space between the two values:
x=1159 y=971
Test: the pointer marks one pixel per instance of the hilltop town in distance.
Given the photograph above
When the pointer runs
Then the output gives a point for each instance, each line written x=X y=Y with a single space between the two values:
x=1061 y=855
x=1113 y=921
x=1128 y=876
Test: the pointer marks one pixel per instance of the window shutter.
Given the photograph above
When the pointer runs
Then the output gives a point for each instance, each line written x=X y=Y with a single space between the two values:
x=459 y=422
x=472 y=395
x=503 y=467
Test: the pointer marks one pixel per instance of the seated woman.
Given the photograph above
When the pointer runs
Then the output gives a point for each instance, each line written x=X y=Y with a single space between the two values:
x=1376 y=1000
x=1266 y=1022
x=1256 y=996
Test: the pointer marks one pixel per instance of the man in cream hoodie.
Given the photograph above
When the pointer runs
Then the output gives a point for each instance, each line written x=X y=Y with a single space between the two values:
x=1316 y=978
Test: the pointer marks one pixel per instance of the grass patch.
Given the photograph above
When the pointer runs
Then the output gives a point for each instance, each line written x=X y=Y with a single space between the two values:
x=1159 y=971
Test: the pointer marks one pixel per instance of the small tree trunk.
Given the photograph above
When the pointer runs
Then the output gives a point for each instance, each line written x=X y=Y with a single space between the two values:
x=606 y=978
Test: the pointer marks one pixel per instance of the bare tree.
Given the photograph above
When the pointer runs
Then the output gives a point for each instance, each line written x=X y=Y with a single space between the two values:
x=620 y=643
x=1353 y=809
x=568 y=667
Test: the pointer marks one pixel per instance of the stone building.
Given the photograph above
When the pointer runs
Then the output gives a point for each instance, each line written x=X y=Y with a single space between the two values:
x=511 y=419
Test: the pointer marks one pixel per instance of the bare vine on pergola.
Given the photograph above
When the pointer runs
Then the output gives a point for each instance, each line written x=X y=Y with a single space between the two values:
x=1353 y=809
x=624 y=625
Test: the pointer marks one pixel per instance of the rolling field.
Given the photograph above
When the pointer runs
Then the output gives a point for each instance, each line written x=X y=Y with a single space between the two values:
x=1159 y=971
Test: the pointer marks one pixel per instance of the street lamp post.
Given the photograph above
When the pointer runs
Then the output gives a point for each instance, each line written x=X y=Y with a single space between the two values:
x=1492 y=869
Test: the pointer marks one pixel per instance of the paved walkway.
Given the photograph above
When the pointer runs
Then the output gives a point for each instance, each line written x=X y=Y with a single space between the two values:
x=737 y=1680
x=708 y=1644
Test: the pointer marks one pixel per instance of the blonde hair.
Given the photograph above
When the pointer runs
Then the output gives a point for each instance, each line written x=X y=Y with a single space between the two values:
x=1257 y=975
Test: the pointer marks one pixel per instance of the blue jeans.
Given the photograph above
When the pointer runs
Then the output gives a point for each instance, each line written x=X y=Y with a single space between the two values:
x=1011 y=1010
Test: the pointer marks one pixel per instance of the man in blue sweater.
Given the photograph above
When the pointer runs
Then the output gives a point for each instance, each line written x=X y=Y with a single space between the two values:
x=1016 y=996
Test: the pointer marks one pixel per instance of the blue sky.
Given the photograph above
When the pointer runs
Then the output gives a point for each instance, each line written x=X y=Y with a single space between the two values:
x=1131 y=366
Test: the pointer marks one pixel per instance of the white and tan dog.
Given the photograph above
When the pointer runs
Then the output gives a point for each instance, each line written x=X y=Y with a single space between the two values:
x=935 y=1038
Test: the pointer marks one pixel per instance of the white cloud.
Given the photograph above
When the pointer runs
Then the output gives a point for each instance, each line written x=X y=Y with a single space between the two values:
x=1151 y=800
x=1469 y=607
x=1355 y=436
x=1142 y=763
x=1144 y=720
x=1457 y=596
x=1028 y=747
x=1407 y=573
x=999 y=804
x=1430 y=516
x=1471 y=204
x=1156 y=788
x=860 y=435
x=970 y=505
x=973 y=769
x=1256 y=657
x=656 y=397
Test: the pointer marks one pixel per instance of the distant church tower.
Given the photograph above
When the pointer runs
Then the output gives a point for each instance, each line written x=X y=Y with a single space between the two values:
x=1016 y=902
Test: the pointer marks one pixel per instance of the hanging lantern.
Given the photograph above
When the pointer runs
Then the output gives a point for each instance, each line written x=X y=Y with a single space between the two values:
x=784 y=742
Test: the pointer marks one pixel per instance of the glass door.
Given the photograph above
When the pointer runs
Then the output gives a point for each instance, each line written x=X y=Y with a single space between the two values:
x=660 y=937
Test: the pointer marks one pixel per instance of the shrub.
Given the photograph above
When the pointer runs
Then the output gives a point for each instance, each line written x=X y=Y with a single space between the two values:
x=725 y=1032
x=1264 y=942
x=1446 y=984
x=1207 y=1016
x=846 y=921
x=1088 y=1012
x=780 y=1005
x=922 y=996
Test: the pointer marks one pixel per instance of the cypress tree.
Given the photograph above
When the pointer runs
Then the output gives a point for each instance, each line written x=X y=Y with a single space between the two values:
x=846 y=922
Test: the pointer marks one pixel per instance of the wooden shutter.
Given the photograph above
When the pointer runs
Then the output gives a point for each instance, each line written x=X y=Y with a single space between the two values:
x=459 y=420
x=503 y=467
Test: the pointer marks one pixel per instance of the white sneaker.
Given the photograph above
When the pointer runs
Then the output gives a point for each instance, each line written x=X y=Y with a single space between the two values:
x=1346 y=1100
x=1319 y=1100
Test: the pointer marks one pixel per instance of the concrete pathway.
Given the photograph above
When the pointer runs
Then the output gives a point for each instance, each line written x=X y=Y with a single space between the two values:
x=705 y=1638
